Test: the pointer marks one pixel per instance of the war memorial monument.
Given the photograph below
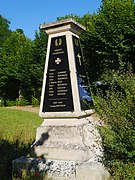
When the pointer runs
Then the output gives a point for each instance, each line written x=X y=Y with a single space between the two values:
x=68 y=138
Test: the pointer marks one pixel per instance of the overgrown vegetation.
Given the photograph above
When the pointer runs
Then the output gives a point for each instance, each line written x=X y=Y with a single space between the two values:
x=17 y=133
x=117 y=110
x=20 y=102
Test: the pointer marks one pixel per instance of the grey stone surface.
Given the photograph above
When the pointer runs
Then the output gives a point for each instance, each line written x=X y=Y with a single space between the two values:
x=62 y=169
x=62 y=22
x=92 y=171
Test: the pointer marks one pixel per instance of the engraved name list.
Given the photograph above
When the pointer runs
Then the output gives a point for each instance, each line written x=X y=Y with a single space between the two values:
x=58 y=95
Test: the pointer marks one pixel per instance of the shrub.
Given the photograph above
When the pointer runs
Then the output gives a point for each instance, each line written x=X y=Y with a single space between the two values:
x=21 y=102
x=35 y=102
x=10 y=103
x=17 y=102
x=118 y=113
x=1 y=103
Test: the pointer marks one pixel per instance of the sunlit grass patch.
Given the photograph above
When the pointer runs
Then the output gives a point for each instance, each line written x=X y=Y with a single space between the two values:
x=16 y=124
x=17 y=133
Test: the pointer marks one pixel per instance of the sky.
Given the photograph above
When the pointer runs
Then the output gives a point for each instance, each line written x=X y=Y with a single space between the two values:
x=29 y=14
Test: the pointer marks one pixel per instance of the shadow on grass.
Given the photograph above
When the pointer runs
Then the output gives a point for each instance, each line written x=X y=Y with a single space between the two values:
x=8 y=152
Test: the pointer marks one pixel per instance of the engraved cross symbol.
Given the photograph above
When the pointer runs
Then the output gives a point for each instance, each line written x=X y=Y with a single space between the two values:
x=58 y=61
x=79 y=58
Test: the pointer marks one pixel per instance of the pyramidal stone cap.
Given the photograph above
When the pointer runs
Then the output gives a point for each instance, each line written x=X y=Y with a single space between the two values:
x=63 y=25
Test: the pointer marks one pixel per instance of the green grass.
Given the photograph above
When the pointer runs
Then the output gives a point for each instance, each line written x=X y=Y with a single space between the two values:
x=17 y=133
x=16 y=124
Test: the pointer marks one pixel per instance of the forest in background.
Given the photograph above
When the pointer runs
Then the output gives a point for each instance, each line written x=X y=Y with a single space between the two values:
x=108 y=46
x=107 y=43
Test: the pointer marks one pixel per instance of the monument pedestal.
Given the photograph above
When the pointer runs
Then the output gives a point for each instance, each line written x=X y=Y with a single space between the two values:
x=68 y=139
x=73 y=147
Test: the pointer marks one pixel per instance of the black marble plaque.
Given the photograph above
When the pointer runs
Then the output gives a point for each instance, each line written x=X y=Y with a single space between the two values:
x=58 y=94
x=83 y=84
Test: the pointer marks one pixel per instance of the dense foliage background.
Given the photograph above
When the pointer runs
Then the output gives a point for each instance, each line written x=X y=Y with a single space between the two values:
x=21 y=63
x=108 y=43
x=109 y=51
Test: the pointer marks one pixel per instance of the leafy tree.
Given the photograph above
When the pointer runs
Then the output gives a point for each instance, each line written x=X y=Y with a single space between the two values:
x=21 y=63
x=20 y=31
x=4 y=30
x=4 y=34
x=37 y=66
x=119 y=22
x=15 y=65
x=109 y=40
x=73 y=16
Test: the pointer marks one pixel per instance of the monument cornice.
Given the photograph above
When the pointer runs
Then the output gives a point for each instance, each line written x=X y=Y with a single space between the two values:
x=63 y=25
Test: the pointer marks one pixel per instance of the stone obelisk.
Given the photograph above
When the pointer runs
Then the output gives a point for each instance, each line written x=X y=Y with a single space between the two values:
x=68 y=136
x=65 y=91
x=66 y=99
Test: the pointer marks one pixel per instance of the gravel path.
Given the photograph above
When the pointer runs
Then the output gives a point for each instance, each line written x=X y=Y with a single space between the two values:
x=36 y=110
x=25 y=108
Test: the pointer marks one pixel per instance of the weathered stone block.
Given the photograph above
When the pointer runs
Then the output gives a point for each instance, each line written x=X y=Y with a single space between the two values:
x=64 y=142
x=93 y=171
